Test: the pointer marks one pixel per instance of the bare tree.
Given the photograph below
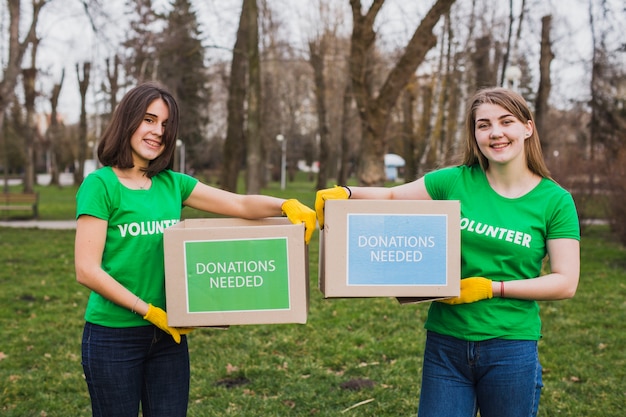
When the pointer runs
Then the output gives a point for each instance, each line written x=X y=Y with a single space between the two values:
x=234 y=145
x=317 y=52
x=113 y=79
x=83 y=85
x=54 y=131
x=254 y=143
x=510 y=50
x=324 y=46
x=29 y=75
x=17 y=49
x=422 y=147
x=375 y=110
x=409 y=138
x=344 y=166
x=485 y=75
x=545 y=83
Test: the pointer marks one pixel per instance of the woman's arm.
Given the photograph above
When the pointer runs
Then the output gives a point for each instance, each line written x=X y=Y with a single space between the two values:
x=559 y=284
x=415 y=190
x=88 y=249
x=214 y=200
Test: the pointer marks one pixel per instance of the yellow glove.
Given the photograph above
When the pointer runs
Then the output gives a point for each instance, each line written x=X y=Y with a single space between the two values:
x=335 y=193
x=299 y=213
x=158 y=317
x=472 y=289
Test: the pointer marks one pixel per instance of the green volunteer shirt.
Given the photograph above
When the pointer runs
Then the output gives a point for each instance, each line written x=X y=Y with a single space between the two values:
x=501 y=239
x=133 y=252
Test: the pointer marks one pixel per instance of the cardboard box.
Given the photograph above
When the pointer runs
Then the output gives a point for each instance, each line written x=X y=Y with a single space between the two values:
x=225 y=271
x=408 y=249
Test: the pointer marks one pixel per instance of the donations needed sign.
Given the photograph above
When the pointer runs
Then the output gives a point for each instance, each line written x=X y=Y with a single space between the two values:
x=375 y=248
x=234 y=275
x=234 y=271
x=396 y=249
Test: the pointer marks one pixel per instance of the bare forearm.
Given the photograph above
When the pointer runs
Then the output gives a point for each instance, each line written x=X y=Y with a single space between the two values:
x=260 y=206
x=545 y=288
x=415 y=190
x=370 y=193
x=105 y=285
x=253 y=206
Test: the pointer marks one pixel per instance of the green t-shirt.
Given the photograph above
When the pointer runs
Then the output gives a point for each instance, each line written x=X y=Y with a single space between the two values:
x=133 y=252
x=501 y=239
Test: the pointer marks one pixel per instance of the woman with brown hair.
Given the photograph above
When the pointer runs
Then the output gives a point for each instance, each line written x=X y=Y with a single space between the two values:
x=130 y=355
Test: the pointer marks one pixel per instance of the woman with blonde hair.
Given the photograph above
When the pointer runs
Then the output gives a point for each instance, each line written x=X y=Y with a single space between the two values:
x=481 y=347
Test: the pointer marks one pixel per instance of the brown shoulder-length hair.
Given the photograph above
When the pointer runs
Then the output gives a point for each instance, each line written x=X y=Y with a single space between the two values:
x=114 y=148
x=516 y=105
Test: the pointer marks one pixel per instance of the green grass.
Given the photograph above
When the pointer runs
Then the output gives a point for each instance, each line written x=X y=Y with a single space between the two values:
x=296 y=370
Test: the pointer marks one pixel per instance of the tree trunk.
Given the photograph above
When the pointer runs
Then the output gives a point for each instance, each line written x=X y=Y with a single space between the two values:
x=28 y=76
x=344 y=166
x=234 y=145
x=112 y=74
x=408 y=131
x=83 y=85
x=254 y=142
x=317 y=57
x=482 y=63
x=507 y=49
x=425 y=129
x=375 y=113
x=454 y=105
x=439 y=131
x=545 y=83
x=53 y=132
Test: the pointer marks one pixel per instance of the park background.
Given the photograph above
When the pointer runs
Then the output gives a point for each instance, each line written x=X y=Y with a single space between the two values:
x=283 y=99
x=361 y=353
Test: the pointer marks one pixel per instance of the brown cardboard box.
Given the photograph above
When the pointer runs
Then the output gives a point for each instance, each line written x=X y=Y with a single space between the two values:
x=225 y=271
x=408 y=249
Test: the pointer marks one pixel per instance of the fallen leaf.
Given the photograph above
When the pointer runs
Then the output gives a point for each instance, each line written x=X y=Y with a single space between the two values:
x=231 y=368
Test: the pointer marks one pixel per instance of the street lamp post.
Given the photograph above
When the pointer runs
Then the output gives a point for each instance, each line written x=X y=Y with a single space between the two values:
x=181 y=145
x=283 y=159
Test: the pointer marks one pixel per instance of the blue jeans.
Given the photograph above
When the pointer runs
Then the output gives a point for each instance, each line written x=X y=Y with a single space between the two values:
x=498 y=377
x=128 y=366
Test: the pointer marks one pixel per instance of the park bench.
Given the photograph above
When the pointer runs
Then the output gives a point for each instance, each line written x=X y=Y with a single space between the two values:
x=20 y=202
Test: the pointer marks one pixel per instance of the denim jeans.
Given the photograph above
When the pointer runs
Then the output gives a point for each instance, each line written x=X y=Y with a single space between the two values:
x=498 y=377
x=128 y=366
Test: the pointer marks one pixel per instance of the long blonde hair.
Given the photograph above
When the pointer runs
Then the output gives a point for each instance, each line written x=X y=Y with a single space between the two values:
x=514 y=104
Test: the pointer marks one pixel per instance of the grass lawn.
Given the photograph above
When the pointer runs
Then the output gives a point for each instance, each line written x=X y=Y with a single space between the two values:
x=355 y=357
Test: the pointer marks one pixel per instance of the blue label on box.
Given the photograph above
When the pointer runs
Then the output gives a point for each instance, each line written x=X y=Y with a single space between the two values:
x=397 y=249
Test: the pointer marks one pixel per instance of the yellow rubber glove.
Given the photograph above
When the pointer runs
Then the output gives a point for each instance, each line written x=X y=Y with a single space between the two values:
x=299 y=213
x=335 y=193
x=472 y=289
x=158 y=317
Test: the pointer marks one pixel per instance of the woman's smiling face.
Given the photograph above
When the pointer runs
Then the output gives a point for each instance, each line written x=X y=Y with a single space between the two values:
x=500 y=135
x=146 y=142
